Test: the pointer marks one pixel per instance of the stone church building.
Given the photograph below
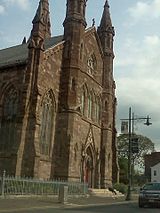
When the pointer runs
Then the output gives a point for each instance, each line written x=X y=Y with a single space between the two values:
x=57 y=100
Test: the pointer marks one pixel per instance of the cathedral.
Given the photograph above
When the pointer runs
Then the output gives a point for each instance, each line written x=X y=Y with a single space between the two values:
x=57 y=100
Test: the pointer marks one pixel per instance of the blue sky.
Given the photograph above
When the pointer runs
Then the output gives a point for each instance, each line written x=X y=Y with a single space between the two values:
x=136 y=46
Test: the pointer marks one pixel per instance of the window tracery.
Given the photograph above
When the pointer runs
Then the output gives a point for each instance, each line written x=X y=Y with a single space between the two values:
x=91 y=64
x=10 y=103
x=8 y=120
x=47 y=119
x=90 y=105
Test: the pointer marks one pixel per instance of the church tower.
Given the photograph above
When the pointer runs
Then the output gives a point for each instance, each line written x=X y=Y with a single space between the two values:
x=106 y=34
x=74 y=29
x=40 y=32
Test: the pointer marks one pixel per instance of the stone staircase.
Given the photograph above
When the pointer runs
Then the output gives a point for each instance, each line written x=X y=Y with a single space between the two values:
x=105 y=193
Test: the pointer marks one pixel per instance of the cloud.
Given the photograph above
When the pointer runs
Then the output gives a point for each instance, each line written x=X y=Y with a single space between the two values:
x=23 y=4
x=138 y=77
x=153 y=40
x=142 y=66
x=145 y=10
x=2 y=9
x=141 y=9
x=141 y=54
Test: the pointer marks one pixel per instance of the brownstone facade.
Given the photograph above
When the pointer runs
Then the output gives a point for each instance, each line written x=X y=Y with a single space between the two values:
x=57 y=101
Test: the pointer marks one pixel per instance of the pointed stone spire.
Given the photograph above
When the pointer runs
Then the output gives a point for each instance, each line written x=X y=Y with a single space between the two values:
x=106 y=4
x=106 y=23
x=24 y=40
x=41 y=21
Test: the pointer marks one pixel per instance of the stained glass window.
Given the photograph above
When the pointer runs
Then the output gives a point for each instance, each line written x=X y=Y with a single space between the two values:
x=47 y=118
x=8 y=120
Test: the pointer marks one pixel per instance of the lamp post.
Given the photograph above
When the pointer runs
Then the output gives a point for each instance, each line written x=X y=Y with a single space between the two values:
x=131 y=120
x=128 y=197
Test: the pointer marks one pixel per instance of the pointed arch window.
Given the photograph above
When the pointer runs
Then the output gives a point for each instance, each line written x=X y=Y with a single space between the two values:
x=73 y=84
x=81 y=51
x=90 y=104
x=93 y=106
x=83 y=102
x=97 y=110
x=8 y=120
x=47 y=120
x=91 y=64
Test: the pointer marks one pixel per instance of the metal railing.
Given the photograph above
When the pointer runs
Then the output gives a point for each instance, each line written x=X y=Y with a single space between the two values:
x=29 y=186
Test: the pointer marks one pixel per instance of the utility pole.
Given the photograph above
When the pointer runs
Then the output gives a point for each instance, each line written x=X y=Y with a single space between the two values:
x=131 y=120
x=128 y=197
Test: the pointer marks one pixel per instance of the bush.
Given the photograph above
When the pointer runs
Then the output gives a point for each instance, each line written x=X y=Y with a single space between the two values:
x=121 y=187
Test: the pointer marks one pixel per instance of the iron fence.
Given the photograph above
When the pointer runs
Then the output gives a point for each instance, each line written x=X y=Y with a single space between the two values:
x=29 y=186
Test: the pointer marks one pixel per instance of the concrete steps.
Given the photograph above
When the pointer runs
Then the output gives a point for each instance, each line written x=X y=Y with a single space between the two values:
x=105 y=193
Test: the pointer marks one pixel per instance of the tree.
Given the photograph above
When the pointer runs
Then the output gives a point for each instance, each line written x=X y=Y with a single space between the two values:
x=123 y=174
x=146 y=146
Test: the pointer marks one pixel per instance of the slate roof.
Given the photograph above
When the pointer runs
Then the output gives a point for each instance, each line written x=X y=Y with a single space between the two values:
x=18 y=54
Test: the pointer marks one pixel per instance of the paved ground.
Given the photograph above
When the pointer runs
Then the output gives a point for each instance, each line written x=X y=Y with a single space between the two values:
x=18 y=204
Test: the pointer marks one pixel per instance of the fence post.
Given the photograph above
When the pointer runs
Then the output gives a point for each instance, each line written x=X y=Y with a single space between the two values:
x=85 y=188
x=63 y=194
x=3 y=184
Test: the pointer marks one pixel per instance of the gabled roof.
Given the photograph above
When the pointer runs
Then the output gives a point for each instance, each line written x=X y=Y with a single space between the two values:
x=53 y=41
x=13 y=55
x=155 y=165
x=18 y=54
x=91 y=30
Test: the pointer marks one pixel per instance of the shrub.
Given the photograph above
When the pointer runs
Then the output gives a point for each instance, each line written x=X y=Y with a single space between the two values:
x=121 y=187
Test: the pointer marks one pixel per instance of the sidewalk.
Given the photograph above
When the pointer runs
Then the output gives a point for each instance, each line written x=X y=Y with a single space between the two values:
x=19 y=203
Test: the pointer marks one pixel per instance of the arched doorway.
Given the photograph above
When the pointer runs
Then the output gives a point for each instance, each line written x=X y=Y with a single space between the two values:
x=88 y=167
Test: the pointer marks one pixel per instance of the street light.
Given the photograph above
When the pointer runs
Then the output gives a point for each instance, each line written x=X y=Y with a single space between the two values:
x=131 y=120
x=147 y=121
